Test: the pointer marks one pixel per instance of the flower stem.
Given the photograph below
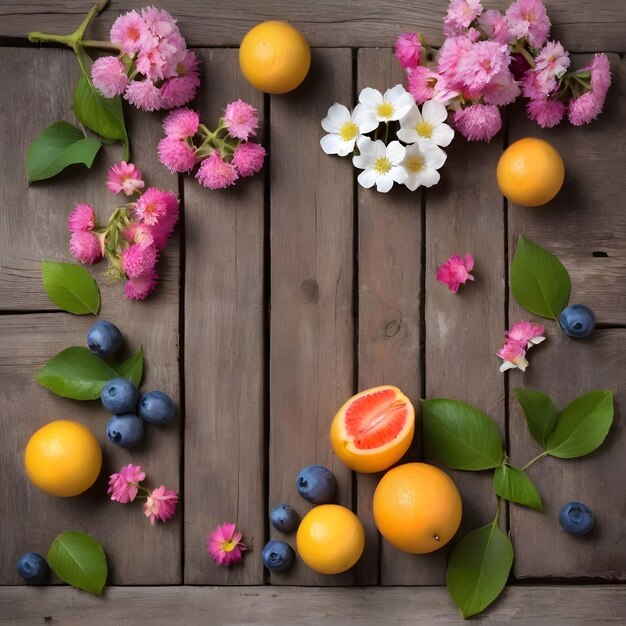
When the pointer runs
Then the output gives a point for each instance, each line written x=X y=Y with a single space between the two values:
x=102 y=45
x=539 y=456
x=527 y=56
x=496 y=519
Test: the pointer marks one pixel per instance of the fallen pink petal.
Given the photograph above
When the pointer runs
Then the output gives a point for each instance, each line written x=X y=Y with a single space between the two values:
x=160 y=504
x=225 y=544
x=123 y=485
x=455 y=271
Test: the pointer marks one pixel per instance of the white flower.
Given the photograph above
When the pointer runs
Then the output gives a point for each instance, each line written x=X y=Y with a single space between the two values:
x=421 y=162
x=427 y=125
x=380 y=164
x=345 y=128
x=393 y=105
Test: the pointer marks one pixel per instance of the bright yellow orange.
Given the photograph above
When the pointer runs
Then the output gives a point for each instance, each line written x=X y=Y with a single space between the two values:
x=417 y=507
x=530 y=172
x=274 y=57
x=373 y=429
x=330 y=539
x=63 y=458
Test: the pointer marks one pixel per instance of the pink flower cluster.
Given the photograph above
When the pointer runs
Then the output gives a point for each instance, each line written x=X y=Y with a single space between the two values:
x=490 y=58
x=124 y=486
x=223 y=155
x=518 y=340
x=455 y=271
x=225 y=544
x=134 y=236
x=154 y=70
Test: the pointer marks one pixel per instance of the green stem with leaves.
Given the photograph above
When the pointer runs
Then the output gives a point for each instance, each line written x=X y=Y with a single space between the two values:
x=539 y=456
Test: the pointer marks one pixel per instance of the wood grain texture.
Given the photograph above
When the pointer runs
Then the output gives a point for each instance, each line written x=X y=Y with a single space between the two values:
x=390 y=246
x=34 y=228
x=581 y=26
x=587 y=215
x=464 y=213
x=537 y=605
x=223 y=349
x=311 y=328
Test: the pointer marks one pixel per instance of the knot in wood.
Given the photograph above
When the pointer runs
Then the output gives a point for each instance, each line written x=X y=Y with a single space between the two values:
x=310 y=290
x=393 y=328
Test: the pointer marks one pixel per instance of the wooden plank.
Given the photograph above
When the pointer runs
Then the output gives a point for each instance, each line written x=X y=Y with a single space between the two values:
x=311 y=328
x=464 y=214
x=33 y=228
x=390 y=244
x=581 y=26
x=223 y=349
x=586 y=216
x=364 y=606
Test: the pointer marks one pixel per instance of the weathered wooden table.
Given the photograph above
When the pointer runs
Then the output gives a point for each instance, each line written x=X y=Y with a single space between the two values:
x=280 y=298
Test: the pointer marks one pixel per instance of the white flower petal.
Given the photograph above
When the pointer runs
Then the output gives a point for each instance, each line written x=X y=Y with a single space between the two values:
x=337 y=115
x=367 y=178
x=379 y=149
x=434 y=155
x=364 y=118
x=384 y=182
x=399 y=174
x=408 y=135
x=434 y=112
x=412 y=118
x=507 y=365
x=362 y=161
x=394 y=93
x=429 y=177
x=395 y=152
x=412 y=181
x=331 y=144
x=370 y=97
x=402 y=106
x=442 y=135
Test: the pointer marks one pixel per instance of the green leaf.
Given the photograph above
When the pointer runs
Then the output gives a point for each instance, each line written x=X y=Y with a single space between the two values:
x=514 y=484
x=76 y=373
x=540 y=412
x=132 y=368
x=79 y=560
x=71 y=287
x=56 y=147
x=539 y=281
x=460 y=435
x=478 y=568
x=582 y=425
x=103 y=115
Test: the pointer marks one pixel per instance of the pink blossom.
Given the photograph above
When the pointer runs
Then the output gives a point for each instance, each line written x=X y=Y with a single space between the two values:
x=151 y=61
x=124 y=177
x=502 y=89
x=159 y=21
x=455 y=271
x=163 y=230
x=479 y=122
x=160 y=504
x=481 y=63
x=461 y=13
x=526 y=334
x=215 y=173
x=225 y=545
x=495 y=26
x=547 y=113
x=529 y=19
x=151 y=205
x=600 y=69
x=514 y=355
x=241 y=120
x=144 y=94
x=81 y=219
x=176 y=154
x=86 y=247
x=248 y=158
x=108 y=75
x=421 y=83
x=584 y=109
x=181 y=123
x=138 y=259
x=408 y=50
x=554 y=58
x=140 y=234
x=123 y=485
x=129 y=32
x=140 y=287
x=531 y=87
x=181 y=89
x=452 y=52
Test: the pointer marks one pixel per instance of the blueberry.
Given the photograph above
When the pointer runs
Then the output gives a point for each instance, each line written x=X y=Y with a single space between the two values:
x=577 y=321
x=316 y=484
x=125 y=430
x=278 y=556
x=33 y=568
x=119 y=396
x=156 y=407
x=284 y=518
x=104 y=338
x=576 y=518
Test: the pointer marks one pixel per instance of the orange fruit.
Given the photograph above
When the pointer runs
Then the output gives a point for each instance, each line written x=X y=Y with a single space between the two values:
x=63 y=458
x=373 y=429
x=330 y=539
x=274 y=57
x=530 y=172
x=417 y=507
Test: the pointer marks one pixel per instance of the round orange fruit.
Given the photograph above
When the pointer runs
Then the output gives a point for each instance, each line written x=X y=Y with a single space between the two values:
x=417 y=507
x=63 y=458
x=330 y=539
x=274 y=57
x=530 y=172
x=373 y=429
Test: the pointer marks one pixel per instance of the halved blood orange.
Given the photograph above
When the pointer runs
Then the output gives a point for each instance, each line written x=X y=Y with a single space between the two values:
x=373 y=429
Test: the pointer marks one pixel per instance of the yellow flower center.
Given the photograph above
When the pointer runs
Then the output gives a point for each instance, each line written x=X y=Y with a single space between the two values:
x=348 y=131
x=382 y=165
x=414 y=163
x=385 y=110
x=228 y=546
x=424 y=129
